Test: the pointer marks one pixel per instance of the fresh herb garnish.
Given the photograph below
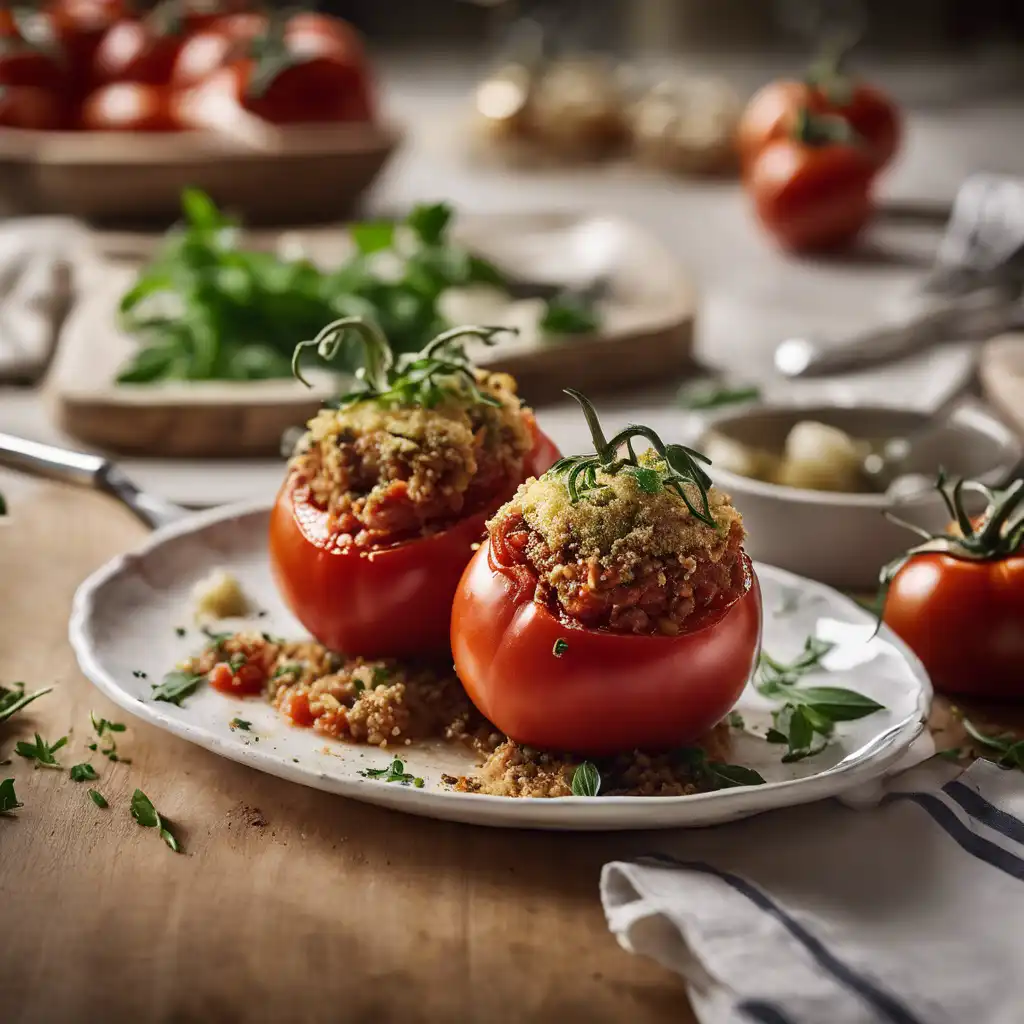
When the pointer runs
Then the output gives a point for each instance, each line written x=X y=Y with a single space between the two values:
x=679 y=467
x=715 y=773
x=14 y=698
x=735 y=720
x=83 y=773
x=8 y=799
x=139 y=674
x=98 y=798
x=237 y=661
x=146 y=815
x=217 y=640
x=179 y=630
x=440 y=370
x=395 y=772
x=586 y=780
x=561 y=646
x=104 y=727
x=709 y=394
x=240 y=723
x=176 y=686
x=1009 y=748
x=569 y=313
x=287 y=669
x=40 y=751
x=381 y=676
x=806 y=721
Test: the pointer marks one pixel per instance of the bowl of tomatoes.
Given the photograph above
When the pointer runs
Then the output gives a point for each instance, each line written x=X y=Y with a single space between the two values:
x=107 y=112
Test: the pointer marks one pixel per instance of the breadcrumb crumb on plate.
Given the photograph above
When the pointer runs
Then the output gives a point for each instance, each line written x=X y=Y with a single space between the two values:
x=124 y=618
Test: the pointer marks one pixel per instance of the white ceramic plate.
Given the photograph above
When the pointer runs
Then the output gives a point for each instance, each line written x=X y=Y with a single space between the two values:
x=125 y=616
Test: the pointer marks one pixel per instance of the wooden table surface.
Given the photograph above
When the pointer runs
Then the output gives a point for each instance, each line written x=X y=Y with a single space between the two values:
x=288 y=904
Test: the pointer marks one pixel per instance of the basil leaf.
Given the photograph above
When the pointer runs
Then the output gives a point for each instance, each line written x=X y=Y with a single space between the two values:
x=727 y=776
x=143 y=810
x=176 y=686
x=8 y=799
x=371 y=238
x=430 y=221
x=83 y=773
x=586 y=780
x=838 y=704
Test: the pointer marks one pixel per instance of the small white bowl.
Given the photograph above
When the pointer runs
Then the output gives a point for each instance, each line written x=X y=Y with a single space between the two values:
x=844 y=539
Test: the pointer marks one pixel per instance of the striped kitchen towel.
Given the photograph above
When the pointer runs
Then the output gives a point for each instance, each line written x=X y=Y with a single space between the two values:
x=906 y=913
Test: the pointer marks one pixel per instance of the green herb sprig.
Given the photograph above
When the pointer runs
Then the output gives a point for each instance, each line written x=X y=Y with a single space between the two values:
x=83 y=773
x=807 y=719
x=176 y=686
x=440 y=370
x=395 y=772
x=40 y=751
x=146 y=815
x=1008 y=749
x=104 y=727
x=682 y=465
x=14 y=698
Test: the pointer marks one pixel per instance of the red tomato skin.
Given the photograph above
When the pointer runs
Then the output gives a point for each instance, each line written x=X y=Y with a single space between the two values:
x=132 y=52
x=965 y=621
x=128 y=107
x=21 y=65
x=608 y=692
x=811 y=197
x=79 y=26
x=382 y=602
x=771 y=115
x=26 y=107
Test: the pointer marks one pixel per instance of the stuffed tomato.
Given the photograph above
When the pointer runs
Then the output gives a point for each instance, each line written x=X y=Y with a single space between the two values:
x=388 y=492
x=613 y=607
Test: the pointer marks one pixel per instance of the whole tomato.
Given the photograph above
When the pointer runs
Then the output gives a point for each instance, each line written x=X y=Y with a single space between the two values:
x=597 y=692
x=810 y=191
x=390 y=601
x=959 y=603
x=772 y=113
x=307 y=69
x=141 y=49
x=22 y=64
x=23 y=106
x=129 y=107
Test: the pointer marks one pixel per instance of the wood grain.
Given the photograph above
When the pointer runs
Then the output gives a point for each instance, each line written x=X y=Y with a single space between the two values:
x=327 y=910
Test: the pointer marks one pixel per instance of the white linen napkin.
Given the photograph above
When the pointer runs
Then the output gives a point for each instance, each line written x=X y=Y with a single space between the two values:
x=39 y=261
x=905 y=913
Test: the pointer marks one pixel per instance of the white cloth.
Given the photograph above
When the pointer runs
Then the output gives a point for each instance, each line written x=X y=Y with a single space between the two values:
x=39 y=258
x=905 y=913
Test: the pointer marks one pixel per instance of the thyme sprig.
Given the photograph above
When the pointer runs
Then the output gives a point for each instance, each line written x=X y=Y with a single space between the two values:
x=682 y=465
x=441 y=369
x=997 y=533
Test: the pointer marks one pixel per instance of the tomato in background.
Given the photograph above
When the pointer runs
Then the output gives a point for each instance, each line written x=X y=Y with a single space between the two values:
x=22 y=64
x=79 y=27
x=23 y=106
x=140 y=50
x=605 y=692
x=811 y=192
x=129 y=107
x=381 y=602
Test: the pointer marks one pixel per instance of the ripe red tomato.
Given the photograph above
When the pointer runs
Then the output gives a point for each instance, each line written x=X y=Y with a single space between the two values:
x=772 y=113
x=224 y=39
x=139 y=50
x=22 y=106
x=129 y=107
x=811 y=195
x=22 y=64
x=384 y=602
x=606 y=693
x=964 y=620
x=8 y=24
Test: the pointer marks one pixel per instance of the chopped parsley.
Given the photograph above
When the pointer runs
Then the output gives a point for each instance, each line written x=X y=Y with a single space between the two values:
x=237 y=661
x=40 y=751
x=179 y=630
x=83 y=773
x=289 y=668
x=395 y=772
x=104 y=727
x=146 y=815
x=176 y=686
x=240 y=723
x=139 y=674
x=561 y=646
x=8 y=799
x=586 y=780
x=14 y=698
x=98 y=798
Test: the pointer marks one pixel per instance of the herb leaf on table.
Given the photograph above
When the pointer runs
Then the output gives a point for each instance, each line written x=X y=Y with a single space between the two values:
x=8 y=800
x=40 y=751
x=13 y=699
x=147 y=816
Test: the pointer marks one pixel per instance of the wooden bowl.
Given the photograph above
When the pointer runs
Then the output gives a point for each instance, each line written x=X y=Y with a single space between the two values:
x=303 y=175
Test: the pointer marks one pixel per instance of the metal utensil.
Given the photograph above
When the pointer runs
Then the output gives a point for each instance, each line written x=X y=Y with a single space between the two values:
x=973 y=291
x=86 y=470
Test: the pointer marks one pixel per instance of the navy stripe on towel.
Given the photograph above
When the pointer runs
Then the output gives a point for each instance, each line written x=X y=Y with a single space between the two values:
x=969 y=841
x=762 y=1012
x=987 y=813
x=888 y=1006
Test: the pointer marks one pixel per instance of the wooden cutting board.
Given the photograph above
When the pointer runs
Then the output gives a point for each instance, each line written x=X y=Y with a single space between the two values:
x=647 y=334
x=1001 y=372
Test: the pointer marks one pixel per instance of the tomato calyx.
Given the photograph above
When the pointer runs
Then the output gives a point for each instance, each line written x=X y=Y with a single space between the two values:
x=818 y=130
x=828 y=76
x=998 y=533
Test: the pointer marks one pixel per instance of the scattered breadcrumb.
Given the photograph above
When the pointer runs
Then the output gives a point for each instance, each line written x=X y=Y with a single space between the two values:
x=385 y=703
x=219 y=596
